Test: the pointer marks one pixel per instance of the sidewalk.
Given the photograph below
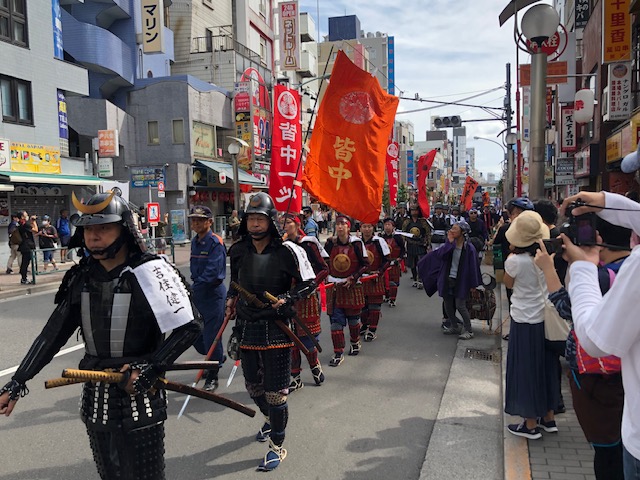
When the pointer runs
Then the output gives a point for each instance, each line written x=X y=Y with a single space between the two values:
x=10 y=286
x=565 y=455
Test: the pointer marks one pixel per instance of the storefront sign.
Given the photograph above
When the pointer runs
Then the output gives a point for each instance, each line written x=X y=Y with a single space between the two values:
x=619 y=99
x=582 y=13
x=582 y=163
x=5 y=153
x=108 y=143
x=152 y=25
x=289 y=36
x=26 y=157
x=203 y=141
x=613 y=147
x=105 y=167
x=555 y=72
x=178 y=229
x=564 y=171
x=616 y=37
x=568 y=130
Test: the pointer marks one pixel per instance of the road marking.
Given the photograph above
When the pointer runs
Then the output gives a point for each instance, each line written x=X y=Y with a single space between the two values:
x=59 y=354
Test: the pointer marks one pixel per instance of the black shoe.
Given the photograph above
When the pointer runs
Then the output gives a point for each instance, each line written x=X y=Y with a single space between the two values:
x=9 y=271
x=211 y=383
x=24 y=281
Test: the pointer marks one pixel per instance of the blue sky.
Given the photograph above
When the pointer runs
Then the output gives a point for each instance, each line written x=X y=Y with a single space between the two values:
x=446 y=50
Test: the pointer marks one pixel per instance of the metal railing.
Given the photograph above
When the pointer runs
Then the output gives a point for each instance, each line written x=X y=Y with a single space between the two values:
x=221 y=43
x=38 y=265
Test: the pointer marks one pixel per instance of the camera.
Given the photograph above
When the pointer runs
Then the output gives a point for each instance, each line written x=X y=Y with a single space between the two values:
x=553 y=245
x=580 y=229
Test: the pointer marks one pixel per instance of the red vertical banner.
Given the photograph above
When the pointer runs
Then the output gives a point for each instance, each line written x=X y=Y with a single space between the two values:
x=392 y=172
x=285 y=150
x=424 y=166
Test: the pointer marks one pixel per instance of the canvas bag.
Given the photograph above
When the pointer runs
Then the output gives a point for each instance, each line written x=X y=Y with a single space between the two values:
x=556 y=328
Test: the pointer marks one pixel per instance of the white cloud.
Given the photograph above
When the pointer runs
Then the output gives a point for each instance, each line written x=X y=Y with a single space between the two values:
x=446 y=50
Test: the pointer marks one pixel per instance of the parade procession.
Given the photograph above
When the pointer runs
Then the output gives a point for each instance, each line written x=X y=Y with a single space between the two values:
x=235 y=258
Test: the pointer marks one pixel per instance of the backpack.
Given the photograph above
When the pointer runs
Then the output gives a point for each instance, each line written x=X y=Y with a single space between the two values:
x=15 y=238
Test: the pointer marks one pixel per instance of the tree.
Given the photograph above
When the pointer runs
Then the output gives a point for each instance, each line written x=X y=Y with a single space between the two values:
x=403 y=195
x=386 y=205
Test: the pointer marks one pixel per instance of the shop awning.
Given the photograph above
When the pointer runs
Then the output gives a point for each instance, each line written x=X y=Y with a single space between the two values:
x=6 y=188
x=49 y=178
x=245 y=178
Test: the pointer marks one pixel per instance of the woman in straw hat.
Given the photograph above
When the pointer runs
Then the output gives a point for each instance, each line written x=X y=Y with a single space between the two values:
x=532 y=377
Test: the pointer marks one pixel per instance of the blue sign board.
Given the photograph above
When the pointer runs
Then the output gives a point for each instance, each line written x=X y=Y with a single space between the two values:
x=391 y=61
x=63 y=126
x=410 y=166
x=144 y=177
x=56 y=16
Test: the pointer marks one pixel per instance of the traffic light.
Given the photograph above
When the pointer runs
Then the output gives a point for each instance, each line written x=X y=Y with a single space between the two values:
x=446 y=122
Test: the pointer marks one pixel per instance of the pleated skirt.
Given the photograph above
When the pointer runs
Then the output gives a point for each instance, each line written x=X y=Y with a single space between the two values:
x=532 y=380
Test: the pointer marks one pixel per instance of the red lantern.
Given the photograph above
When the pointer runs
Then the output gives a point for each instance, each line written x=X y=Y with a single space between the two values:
x=214 y=195
x=225 y=196
x=205 y=196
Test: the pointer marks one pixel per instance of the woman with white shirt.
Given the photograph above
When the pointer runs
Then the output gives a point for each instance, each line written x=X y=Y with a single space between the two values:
x=532 y=369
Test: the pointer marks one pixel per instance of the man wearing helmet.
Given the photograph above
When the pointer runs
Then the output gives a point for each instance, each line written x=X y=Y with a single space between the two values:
x=398 y=252
x=124 y=301
x=417 y=245
x=261 y=262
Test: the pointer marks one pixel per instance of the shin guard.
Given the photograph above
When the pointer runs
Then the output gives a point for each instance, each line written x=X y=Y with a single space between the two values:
x=312 y=358
x=278 y=417
x=337 y=337
x=354 y=332
x=374 y=319
x=393 y=292
x=296 y=361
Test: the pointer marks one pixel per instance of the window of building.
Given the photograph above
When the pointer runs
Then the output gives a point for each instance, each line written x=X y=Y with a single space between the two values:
x=16 y=100
x=263 y=50
x=178 y=131
x=153 y=135
x=13 y=22
x=208 y=3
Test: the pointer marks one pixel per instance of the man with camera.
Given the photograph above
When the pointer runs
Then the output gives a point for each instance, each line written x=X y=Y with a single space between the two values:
x=620 y=334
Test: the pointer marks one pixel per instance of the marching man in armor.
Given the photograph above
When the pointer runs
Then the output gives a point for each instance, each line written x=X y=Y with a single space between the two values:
x=264 y=266
x=124 y=301
x=441 y=224
x=307 y=309
x=398 y=252
x=345 y=300
x=378 y=258
x=417 y=245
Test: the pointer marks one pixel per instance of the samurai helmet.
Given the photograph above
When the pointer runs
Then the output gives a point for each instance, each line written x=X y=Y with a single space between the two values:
x=103 y=208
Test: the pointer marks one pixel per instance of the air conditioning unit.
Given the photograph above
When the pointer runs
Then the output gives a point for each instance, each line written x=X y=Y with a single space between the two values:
x=604 y=108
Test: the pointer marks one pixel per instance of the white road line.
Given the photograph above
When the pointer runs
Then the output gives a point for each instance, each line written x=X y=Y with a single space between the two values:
x=59 y=354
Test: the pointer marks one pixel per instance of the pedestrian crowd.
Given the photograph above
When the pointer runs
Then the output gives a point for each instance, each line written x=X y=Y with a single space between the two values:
x=282 y=277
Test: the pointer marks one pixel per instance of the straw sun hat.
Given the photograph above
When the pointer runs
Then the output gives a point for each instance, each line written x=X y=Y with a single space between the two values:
x=526 y=229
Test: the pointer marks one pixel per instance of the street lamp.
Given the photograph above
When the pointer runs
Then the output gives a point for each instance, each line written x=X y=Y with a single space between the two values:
x=538 y=24
x=234 y=150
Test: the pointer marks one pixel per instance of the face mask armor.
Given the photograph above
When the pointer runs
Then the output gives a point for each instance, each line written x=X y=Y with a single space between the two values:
x=103 y=208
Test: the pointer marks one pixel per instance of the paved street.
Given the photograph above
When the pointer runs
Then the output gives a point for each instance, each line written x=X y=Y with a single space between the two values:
x=373 y=418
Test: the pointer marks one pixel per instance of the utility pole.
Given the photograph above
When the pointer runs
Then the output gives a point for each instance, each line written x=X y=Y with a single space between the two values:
x=508 y=186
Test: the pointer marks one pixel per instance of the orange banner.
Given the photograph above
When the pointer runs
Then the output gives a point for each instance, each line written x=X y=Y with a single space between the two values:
x=470 y=187
x=424 y=165
x=616 y=37
x=346 y=162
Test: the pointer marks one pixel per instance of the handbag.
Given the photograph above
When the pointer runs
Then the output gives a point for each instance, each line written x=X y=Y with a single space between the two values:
x=481 y=303
x=556 y=328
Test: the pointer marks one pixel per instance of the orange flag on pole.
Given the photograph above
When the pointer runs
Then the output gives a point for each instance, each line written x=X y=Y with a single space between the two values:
x=424 y=165
x=470 y=187
x=347 y=154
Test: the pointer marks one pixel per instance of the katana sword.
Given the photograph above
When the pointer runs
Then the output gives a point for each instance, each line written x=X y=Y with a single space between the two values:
x=254 y=300
x=112 y=377
x=298 y=322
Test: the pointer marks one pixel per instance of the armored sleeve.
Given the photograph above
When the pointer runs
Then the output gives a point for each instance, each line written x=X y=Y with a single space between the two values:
x=58 y=329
